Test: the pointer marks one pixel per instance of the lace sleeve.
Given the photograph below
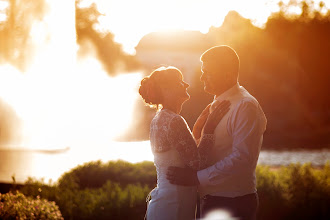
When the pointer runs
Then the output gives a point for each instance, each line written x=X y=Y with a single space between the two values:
x=180 y=137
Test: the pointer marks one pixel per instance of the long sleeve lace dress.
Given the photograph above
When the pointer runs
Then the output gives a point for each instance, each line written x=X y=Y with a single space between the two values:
x=173 y=145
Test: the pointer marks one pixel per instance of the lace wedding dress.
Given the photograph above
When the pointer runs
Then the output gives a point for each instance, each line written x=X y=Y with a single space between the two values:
x=173 y=145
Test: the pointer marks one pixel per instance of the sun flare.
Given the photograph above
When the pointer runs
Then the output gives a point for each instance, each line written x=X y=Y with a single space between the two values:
x=134 y=19
x=63 y=100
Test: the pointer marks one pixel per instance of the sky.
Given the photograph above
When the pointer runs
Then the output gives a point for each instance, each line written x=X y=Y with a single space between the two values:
x=130 y=20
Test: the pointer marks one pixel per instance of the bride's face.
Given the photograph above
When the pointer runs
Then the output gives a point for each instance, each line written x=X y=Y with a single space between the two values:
x=175 y=91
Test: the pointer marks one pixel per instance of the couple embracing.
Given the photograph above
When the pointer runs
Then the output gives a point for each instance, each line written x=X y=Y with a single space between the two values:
x=217 y=160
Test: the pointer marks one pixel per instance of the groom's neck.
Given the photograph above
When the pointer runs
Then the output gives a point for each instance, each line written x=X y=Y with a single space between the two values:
x=224 y=89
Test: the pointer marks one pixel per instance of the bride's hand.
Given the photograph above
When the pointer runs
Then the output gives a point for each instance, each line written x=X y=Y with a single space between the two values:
x=215 y=117
x=200 y=122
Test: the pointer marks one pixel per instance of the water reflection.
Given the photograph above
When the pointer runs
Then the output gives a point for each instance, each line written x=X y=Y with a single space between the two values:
x=279 y=158
x=50 y=165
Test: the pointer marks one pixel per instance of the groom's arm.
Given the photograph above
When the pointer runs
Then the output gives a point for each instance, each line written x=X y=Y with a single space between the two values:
x=246 y=126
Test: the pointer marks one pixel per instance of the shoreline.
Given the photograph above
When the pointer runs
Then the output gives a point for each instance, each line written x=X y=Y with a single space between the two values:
x=275 y=168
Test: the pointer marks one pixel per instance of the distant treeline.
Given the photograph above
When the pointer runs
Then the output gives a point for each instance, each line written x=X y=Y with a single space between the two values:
x=118 y=190
x=285 y=65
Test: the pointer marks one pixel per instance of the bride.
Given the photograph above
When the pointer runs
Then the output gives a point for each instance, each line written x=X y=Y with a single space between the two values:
x=173 y=144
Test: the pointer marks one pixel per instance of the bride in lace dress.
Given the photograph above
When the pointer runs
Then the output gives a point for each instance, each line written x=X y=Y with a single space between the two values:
x=173 y=144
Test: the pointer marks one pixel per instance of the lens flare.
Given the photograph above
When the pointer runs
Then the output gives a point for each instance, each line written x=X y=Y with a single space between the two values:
x=220 y=214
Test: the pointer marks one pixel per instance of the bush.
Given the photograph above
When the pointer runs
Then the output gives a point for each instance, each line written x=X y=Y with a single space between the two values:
x=95 y=174
x=115 y=198
x=289 y=192
x=294 y=192
x=111 y=201
x=17 y=206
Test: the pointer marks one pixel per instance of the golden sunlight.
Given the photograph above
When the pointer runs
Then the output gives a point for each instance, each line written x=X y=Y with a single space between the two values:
x=131 y=20
x=63 y=101
x=3 y=7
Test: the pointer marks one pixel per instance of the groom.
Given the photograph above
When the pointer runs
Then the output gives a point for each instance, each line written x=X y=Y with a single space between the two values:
x=229 y=183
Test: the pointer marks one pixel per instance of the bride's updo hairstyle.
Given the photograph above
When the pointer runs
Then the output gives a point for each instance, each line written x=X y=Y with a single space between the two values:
x=150 y=88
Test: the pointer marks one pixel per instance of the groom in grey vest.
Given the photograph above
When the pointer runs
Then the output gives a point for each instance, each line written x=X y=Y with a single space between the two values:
x=228 y=185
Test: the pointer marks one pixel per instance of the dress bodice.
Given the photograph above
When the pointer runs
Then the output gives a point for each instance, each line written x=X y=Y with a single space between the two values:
x=159 y=129
x=173 y=145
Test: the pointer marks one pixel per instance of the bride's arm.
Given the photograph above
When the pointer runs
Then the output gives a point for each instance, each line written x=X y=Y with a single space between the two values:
x=181 y=138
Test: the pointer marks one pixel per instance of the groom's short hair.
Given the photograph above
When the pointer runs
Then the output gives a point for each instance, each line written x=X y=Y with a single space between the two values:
x=223 y=57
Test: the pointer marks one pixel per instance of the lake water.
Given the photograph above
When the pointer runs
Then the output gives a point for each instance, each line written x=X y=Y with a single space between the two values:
x=51 y=164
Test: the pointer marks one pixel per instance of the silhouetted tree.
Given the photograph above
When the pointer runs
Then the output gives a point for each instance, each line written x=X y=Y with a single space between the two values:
x=285 y=65
x=108 y=51
x=15 y=45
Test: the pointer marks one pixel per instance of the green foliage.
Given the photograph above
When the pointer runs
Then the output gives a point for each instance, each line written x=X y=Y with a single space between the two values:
x=95 y=190
x=292 y=192
x=95 y=174
x=35 y=188
x=295 y=192
x=17 y=206
x=109 y=201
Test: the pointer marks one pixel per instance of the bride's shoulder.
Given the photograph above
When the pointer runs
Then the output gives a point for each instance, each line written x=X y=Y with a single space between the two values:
x=174 y=118
x=166 y=116
x=166 y=113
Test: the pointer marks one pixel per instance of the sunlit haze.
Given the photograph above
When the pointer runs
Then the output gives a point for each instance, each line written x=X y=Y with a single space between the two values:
x=3 y=6
x=130 y=20
x=63 y=100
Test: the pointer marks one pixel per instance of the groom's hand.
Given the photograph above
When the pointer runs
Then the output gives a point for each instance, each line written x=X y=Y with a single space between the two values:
x=182 y=176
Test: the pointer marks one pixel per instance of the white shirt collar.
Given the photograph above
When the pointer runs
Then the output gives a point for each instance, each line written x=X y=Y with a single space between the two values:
x=229 y=92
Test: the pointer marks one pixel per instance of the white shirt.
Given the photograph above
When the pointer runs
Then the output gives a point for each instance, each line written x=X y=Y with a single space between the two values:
x=234 y=174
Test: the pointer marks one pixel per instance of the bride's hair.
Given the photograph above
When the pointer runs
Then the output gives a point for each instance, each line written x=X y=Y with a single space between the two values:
x=150 y=85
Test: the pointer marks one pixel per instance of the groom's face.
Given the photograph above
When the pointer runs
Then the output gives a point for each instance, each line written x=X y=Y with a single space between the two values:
x=212 y=78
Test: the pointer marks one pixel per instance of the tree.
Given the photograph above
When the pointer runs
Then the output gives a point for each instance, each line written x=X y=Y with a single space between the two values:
x=108 y=51
x=15 y=46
